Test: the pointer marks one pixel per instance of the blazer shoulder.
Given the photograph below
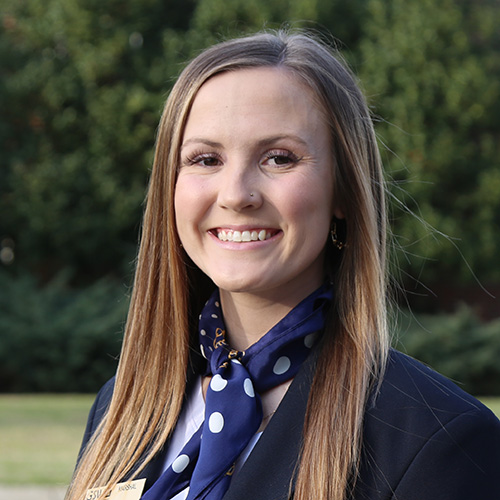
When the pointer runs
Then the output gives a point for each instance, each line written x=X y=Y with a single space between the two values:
x=413 y=398
x=409 y=382
x=422 y=433
x=98 y=410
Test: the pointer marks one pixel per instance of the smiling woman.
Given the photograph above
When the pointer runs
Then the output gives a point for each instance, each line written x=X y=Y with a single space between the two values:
x=256 y=360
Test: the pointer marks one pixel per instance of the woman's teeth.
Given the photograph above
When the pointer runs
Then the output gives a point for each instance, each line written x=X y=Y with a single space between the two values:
x=243 y=236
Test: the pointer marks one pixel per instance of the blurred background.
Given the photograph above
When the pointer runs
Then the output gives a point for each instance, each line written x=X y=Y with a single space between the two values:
x=82 y=84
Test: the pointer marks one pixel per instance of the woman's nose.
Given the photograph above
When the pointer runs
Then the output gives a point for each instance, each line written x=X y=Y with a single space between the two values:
x=238 y=189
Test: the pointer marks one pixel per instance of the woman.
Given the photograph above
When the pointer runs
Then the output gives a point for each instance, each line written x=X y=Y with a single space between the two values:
x=267 y=180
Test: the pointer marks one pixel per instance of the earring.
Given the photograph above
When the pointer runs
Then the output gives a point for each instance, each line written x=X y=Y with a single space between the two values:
x=336 y=242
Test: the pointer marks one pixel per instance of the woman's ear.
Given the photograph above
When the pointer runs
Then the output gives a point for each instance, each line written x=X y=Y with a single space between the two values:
x=338 y=213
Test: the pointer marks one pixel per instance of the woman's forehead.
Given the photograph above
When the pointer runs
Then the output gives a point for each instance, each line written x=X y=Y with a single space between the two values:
x=265 y=98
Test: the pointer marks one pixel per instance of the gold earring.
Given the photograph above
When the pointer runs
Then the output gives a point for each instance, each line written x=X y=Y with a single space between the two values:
x=336 y=242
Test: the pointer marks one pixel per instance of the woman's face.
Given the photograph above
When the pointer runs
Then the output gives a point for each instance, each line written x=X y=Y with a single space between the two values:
x=254 y=195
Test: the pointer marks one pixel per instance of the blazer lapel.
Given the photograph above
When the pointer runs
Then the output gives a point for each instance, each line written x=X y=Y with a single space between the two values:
x=154 y=469
x=268 y=472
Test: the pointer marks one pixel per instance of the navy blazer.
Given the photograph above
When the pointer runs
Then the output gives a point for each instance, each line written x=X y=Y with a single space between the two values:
x=424 y=439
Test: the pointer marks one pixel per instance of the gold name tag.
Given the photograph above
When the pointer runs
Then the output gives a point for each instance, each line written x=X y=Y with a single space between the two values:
x=131 y=490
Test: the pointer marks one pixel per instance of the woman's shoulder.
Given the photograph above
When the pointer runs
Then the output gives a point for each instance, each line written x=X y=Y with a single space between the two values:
x=103 y=399
x=98 y=409
x=409 y=384
x=414 y=398
x=424 y=437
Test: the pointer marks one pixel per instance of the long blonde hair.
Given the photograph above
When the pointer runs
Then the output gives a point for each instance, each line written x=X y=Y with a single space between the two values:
x=151 y=377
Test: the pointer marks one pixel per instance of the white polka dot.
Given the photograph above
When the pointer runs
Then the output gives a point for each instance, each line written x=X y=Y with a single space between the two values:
x=309 y=340
x=180 y=463
x=217 y=304
x=202 y=349
x=248 y=386
x=282 y=365
x=203 y=332
x=216 y=422
x=217 y=383
x=214 y=316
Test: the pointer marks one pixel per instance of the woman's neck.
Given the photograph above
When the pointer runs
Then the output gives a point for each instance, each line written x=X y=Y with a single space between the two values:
x=249 y=317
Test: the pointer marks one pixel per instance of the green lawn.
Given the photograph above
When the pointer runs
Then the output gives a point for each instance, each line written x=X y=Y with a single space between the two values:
x=40 y=436
x=493 y=404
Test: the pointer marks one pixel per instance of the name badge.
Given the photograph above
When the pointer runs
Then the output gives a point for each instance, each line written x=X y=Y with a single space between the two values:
x=130 y=490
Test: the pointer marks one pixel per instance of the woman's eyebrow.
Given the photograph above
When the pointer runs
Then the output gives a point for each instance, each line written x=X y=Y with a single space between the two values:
x=271 y=140
x=201 y=140
x=266 y=141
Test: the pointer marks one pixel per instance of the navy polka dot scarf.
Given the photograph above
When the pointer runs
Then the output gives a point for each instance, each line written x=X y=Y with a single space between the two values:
x=233 y=411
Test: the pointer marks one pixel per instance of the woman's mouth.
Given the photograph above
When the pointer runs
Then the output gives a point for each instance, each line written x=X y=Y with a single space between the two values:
x=244 y=236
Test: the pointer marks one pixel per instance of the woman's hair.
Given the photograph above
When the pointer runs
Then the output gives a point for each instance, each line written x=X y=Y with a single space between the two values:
x=151 y=377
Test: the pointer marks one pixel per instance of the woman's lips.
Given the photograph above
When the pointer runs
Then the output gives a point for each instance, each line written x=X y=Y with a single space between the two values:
x=247 y=235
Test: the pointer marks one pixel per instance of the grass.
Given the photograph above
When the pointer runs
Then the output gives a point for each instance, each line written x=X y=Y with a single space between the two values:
x=492 y=403
x=40 y=436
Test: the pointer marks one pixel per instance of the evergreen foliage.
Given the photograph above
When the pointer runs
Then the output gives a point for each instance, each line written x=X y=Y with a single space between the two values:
x=432 y=70
x=83 y=83
x=457 y=345
x=58 y=339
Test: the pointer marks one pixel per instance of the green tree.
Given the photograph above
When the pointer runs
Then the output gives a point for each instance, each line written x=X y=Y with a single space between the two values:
x=82 y=88
x=82 y=85
x=432 y=71
x=214 y=20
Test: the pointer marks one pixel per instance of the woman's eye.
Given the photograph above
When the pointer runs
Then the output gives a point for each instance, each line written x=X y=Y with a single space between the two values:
x=209 y=161
x=280 y=158
x=203 y=160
